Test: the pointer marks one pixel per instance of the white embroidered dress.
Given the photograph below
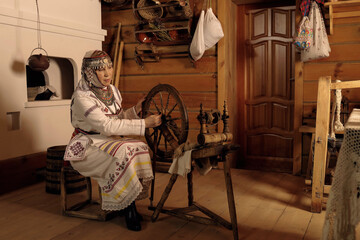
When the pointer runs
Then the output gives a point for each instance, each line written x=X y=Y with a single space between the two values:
x=121 y=166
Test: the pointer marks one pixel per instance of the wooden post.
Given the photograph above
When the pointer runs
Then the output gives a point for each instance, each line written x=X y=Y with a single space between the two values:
x=63 y=191
x=230 y=196
x=331 y=16
x=116 y=51
x=221 y=56
x=153 y=168
x=190 y=188
x=118 y=65
x=164 y=197
x=321 y=140
x=310 y=158
x=298 y=103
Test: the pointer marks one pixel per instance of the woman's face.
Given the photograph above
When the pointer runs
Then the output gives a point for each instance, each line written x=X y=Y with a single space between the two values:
x=105 y=75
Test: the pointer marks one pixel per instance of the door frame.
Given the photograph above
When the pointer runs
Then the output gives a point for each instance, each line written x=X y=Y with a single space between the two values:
x=241 y=75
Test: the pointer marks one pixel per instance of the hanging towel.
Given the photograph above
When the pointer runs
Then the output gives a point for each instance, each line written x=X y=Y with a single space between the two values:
x=181 y=165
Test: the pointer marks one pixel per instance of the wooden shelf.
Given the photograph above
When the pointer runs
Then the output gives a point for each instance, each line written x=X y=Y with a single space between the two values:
x=165 y=35
x=344 y=3
x=345 y=14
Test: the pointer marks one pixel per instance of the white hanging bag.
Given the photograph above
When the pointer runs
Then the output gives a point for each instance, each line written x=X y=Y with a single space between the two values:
x=197 y=46
x=321 y=47
x=213 y=31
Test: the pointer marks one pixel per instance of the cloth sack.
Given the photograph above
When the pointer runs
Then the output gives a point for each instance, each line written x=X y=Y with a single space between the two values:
x=213 y=31
x=208 y=32
x=197 y=46
x=321 y=47
x=303 y=38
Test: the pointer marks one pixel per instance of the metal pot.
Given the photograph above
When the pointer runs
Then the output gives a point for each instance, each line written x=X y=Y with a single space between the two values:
x=38 y=62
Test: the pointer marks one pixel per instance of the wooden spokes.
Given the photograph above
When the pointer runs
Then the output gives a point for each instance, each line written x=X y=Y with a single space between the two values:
x=165 y=100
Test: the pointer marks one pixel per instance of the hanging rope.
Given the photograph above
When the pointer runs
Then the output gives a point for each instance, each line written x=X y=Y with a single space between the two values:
x=38 y=62
x=338 y=125
x=38 y=25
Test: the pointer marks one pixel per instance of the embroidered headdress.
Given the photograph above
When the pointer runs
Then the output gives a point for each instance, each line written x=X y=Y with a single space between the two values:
x=93 y=61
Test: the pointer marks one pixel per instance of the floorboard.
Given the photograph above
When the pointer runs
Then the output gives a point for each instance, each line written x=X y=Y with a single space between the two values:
x=268 y=206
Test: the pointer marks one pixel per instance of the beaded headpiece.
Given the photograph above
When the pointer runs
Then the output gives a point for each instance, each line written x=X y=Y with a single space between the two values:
x=92 y=61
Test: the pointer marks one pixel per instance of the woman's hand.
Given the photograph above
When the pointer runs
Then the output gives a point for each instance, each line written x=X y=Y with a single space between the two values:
x=153 y=121
x=138 y=106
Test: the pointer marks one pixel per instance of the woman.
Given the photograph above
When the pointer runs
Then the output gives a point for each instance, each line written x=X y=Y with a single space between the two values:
x=121 y=166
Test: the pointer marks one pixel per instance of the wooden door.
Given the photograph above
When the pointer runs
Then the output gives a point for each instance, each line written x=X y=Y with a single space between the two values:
x=269 y=89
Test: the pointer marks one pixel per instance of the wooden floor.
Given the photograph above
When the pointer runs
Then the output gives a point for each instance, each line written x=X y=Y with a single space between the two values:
x=269 y=206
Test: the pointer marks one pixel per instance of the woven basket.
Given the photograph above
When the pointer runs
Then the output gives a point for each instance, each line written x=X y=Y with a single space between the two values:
x=177 y=10
x=119 y=3
x=149 y=14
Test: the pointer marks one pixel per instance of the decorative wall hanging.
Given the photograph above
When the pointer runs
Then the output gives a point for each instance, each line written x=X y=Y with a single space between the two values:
x=38 y=62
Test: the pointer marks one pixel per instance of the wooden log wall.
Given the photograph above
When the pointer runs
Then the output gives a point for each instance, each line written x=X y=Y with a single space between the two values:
x=343 y=63
x=197 y=82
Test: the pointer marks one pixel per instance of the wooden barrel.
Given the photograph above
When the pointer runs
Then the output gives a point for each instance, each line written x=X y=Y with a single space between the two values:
x=54 y=162
x=74 y=181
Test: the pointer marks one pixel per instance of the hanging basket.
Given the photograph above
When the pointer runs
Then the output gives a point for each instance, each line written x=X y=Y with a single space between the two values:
x=38 y=62
x=149 y=13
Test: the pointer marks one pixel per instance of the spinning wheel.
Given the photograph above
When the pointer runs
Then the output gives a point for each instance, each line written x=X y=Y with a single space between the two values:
x=163 y=140
x=166 y=100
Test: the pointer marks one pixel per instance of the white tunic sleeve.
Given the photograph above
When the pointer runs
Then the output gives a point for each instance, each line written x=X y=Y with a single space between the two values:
x=128 y=113
x=87 y=115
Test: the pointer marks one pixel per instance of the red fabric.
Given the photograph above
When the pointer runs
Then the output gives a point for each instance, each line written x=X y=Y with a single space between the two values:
x=305 y=6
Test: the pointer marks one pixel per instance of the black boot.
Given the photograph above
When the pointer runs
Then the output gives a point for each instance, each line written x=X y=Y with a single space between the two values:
x=138 y=214
x=131 y=218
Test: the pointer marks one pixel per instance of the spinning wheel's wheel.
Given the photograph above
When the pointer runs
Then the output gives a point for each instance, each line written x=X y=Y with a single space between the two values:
x=165 y=100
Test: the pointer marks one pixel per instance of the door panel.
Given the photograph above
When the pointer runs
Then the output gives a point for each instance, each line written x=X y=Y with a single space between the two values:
x=259 y=73
x=280 y=23
x=269 y=145
x=256 y=116
x=281 y=69
x=280 y=116
x=260 y=25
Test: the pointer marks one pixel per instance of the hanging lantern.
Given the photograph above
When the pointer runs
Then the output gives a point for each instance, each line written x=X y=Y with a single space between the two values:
x=38 y=62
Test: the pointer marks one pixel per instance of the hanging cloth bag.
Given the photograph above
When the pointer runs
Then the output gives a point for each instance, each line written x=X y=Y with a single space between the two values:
x=321 y=47
x=303 y=38
x=197 y=46
x=213 y=31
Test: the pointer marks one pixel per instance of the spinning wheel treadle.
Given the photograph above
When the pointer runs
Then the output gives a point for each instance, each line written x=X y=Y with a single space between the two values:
x=165 y=100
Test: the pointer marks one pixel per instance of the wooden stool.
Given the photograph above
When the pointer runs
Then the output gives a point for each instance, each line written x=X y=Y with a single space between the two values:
x=88 y=209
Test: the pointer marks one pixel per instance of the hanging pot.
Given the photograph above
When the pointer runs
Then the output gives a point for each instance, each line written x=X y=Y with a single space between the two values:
x=38 y=62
